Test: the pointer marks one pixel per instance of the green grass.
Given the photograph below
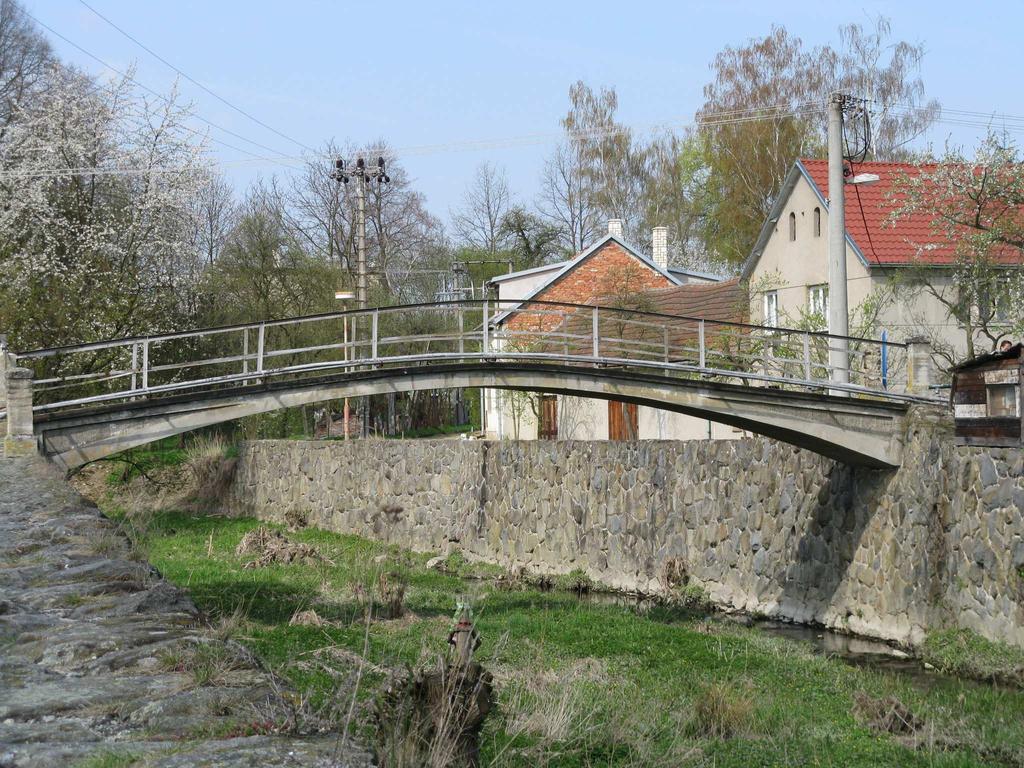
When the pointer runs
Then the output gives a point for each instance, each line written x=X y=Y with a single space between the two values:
x=444 y=429
x=963 y=652
x=584 y=684
x=158 y=455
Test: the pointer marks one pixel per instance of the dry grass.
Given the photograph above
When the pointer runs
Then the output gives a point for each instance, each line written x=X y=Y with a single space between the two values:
x=431 y=717
x=550 y=707
x=722 y=711
x=207 y=663
x=212 y=470
x=229 y=625
x=391 y=589
x=273 y=547
x=887 y=715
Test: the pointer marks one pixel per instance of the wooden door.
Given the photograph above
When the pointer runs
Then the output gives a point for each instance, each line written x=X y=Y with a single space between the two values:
x=548 y=417
x=623 y=422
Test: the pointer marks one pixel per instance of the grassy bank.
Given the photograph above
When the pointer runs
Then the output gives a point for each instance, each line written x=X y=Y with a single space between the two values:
x=580 y=684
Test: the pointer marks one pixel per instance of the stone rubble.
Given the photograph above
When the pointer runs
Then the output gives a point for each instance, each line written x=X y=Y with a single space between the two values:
x=86 y=635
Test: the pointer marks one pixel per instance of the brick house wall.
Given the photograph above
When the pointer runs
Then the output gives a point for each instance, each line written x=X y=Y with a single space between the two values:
x=609 y=271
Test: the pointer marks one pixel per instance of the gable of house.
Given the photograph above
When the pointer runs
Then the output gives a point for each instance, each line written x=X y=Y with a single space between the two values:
x=874 y=235
x=607 y=268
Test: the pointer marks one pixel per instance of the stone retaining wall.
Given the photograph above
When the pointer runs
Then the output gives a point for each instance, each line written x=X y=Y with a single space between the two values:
x=764 y=527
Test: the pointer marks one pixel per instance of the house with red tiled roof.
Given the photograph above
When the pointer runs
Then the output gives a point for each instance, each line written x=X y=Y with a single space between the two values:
x=787 y=269
x=596 y=275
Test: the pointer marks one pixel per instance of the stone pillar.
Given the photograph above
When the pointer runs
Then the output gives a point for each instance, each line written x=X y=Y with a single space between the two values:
x=4 y=365
x=920 y=366
x=20 y=440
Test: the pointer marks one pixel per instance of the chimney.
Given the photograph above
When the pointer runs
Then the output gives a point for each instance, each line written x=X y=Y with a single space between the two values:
x=615 y=228
x=659 y=247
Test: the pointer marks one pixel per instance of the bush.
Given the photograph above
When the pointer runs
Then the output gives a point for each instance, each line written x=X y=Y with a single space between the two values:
x=691 y=597
x=212 y=465
x=576 y=581
x=391 y=589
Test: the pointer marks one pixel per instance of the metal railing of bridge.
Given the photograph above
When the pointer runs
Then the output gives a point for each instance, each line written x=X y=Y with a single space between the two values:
x=453 y=331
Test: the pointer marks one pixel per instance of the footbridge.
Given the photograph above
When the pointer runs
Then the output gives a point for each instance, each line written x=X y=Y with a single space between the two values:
x=80 y=403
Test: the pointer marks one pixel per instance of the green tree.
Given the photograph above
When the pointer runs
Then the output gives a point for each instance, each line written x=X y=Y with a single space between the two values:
x=764 y=109
x=976 y=207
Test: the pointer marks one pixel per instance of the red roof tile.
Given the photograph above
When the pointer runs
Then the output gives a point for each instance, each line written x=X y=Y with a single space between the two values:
x=912 y=239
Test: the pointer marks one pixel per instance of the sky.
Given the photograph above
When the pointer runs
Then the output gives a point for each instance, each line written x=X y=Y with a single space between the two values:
x=433 y=77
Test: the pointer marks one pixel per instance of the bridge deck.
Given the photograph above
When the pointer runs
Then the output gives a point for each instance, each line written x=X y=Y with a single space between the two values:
x=735 y=373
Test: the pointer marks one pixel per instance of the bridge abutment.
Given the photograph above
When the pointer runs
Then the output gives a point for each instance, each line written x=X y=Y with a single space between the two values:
x=20 y=439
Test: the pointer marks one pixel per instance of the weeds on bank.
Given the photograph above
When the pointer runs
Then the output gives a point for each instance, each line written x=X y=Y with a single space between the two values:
x=206 y=663
x=211 y=462
x=963 y=652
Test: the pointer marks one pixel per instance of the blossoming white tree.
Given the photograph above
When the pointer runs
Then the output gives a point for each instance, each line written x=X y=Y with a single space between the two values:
x=96 y=189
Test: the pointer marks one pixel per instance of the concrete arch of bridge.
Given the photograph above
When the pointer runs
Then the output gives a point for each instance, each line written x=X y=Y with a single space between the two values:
x=853 y=430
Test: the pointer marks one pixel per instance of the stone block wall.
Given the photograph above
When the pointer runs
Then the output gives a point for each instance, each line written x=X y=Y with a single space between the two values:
x=764 y=527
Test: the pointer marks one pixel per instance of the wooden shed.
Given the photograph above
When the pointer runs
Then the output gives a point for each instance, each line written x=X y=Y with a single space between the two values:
x=987 y=399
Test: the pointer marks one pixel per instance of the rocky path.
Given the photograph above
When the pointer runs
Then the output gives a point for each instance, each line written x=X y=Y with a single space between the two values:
x=103 y=663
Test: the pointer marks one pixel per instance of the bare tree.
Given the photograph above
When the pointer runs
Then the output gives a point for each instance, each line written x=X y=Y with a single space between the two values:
x=400 y=232
x=214 y=213
x=402 y=236
x=565 y=199
x=614 y=166
x=24 y=57
x=887 y=75
x=486 y=201
x=317 y=210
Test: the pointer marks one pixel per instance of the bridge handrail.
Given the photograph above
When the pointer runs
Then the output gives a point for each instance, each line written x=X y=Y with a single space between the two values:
x=524 y=305
x=548 y=331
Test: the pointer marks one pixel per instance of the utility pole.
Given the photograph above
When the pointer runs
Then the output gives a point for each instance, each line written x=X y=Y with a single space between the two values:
x=838 y=310
x=362 y=177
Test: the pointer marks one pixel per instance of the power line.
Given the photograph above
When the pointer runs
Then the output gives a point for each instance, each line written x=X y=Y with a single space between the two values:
x=724 y=117
x=195 y=82
x=144 y=86
x=469 y=145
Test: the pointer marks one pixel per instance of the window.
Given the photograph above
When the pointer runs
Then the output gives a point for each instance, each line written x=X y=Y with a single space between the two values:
x=817 y=300
x=1003 y=400
x=1002 y=393
x=771 y=309
x=817 y=222
x=792 y=226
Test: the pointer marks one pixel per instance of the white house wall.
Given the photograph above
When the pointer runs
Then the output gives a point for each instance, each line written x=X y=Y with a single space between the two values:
x=791 y=266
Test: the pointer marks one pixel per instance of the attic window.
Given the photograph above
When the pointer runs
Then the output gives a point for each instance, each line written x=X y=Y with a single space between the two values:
x=817 y=222
x=792 y=227
x=771 y=309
